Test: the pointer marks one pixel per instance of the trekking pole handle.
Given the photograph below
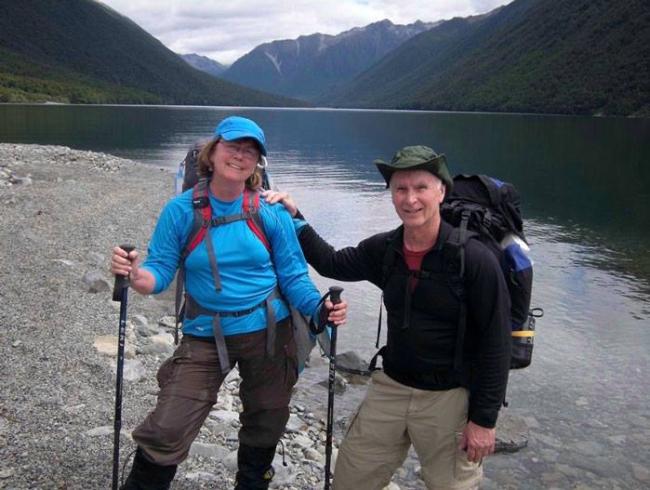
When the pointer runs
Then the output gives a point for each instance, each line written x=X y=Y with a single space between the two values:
x=121 y=282
x=335 y=294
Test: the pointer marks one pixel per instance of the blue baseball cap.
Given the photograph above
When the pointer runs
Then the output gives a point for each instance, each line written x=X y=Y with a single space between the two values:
x=237 y=127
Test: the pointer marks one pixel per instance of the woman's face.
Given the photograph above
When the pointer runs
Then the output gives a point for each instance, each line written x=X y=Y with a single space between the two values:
x=234 y=161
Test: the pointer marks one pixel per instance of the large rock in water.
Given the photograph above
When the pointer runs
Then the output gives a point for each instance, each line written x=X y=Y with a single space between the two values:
x=512 y=433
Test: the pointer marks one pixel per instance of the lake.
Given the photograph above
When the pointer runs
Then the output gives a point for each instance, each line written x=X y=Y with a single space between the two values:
x=585 y=189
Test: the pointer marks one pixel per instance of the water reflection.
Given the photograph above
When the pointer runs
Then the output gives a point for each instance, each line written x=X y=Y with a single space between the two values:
x=590 y=250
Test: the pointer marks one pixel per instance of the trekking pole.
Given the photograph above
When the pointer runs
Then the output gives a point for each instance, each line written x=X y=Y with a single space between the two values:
x=335 y=297
x=120 y=291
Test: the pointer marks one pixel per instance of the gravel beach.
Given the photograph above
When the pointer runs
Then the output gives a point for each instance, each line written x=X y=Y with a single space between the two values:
x=62 y=212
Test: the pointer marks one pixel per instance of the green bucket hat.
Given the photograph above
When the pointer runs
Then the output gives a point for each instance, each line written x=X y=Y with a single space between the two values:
x=417 y=158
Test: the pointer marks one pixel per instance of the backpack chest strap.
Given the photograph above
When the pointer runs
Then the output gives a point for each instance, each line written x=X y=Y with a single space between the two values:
x=231 y=218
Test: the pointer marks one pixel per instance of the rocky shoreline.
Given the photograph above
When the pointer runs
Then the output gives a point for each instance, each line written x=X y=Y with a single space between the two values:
x=62 y=211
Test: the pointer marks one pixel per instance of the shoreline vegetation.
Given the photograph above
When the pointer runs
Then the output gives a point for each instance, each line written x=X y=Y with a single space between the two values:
x=599 y=114
x=63 y=210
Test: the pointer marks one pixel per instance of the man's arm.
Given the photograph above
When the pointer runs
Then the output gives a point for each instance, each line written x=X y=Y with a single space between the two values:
x=489 y=313
x=359 y=263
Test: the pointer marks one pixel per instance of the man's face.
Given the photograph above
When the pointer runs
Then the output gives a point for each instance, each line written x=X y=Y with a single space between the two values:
x=417 y=195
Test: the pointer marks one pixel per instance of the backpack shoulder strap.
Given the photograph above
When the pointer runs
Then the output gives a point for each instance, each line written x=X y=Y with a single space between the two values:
x=202 y=212
x=388 y=260
x=454 y=251
x=251 y=205
x=202 y=216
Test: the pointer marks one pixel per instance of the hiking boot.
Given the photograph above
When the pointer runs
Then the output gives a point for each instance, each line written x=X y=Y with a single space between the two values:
x=255 y=470
x=146 y=475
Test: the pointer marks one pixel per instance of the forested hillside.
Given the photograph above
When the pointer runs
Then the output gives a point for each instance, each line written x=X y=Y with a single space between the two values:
x=543 y=56
x=82 y=51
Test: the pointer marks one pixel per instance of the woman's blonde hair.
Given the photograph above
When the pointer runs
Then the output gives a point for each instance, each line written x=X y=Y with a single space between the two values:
x=204 y=169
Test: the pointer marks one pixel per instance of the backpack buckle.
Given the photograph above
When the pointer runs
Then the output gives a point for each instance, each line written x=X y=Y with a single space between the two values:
x=200 y=202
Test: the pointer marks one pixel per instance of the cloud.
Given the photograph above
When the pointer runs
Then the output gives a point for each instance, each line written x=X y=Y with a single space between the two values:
x=225 y=31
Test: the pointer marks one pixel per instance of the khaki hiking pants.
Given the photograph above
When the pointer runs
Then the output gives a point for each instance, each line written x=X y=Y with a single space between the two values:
x=189 y=382
x=391 y=418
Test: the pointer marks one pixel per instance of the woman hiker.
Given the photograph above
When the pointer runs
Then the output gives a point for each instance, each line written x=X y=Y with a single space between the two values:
x=236 y=313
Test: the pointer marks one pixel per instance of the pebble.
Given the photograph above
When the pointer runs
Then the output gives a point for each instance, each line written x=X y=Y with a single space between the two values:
x=100 y=431
x=641 y=473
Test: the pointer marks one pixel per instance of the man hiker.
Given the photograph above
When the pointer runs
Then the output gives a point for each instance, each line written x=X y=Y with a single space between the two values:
x=442 y=385
x=239 y=282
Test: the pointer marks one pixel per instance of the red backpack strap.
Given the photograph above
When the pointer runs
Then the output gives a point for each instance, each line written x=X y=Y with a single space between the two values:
x=202 y=216
x=251 y=205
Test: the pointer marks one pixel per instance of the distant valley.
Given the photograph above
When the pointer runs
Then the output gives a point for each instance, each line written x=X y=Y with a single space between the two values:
x=205 y=64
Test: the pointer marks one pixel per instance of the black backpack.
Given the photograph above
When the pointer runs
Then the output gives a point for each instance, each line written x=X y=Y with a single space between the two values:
x=490 y=210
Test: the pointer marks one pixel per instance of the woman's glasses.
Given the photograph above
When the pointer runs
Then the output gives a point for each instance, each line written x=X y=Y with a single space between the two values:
x=247 y=150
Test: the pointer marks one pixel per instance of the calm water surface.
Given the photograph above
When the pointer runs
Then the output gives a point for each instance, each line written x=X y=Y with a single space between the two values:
x=585 y=184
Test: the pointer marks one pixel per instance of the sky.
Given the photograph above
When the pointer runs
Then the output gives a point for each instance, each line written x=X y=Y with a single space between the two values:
x=225 y=30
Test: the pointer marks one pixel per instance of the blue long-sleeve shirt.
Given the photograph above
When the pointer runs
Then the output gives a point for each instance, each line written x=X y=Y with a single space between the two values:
x=248 y=272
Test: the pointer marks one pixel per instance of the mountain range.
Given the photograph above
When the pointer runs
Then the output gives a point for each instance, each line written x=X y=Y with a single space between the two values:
x=587 y=57
x=82 y=51
x=542 y=56
x=310 y=65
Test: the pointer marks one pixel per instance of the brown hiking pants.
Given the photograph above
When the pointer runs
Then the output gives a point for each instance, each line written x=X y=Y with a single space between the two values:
x=189 y=382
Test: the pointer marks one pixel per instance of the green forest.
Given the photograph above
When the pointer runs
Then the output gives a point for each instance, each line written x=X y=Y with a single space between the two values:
x=81 y=51
x=542 y=56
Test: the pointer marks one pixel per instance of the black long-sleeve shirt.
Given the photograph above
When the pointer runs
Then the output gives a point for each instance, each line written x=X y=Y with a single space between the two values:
x=487 y=338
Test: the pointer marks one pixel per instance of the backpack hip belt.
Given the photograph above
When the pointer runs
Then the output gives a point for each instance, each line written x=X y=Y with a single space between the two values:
x=193 y=309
